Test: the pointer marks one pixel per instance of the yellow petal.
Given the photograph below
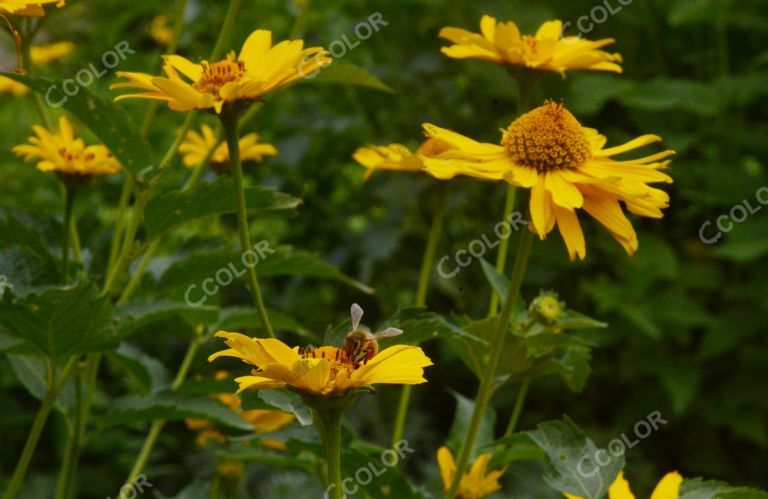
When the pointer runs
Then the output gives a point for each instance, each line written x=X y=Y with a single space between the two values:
x=563 y=192
x=668 y=487
x=619 y=489
x=447 y=466
x=403 y=364
x=570 y=230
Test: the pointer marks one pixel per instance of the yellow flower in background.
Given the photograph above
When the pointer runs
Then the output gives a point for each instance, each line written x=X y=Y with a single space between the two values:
x=667 y=488
x=263 y=420
x=326 y=370
x=260 y=68
x=475 y=484
x=196 y=146
x=160 y=29
x=547 y=50
x=397 y=156
x=40 y=55
x=567 y=167
x=63 y=153
x=26 y=8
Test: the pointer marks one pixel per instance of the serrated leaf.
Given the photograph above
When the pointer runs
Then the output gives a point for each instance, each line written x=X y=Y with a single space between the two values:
x=289 y=402
x=573 y=465
x=109 y=122
x=61 y=321
x=698 y=488
x=171 y=406
x=349 y=74
x=420 y=325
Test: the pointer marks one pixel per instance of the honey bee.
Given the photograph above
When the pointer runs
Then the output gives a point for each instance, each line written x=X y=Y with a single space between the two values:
x=361 y=345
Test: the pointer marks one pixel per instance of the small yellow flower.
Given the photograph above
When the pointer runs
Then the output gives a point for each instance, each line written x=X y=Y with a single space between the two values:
x=40 y=55
x=547 y=306
x=26 y=8
x=263 y=421
x=196 y=146
x=567 y=167
x=260 y=68
x=397 y=156
x=475 y=484
x=160 y=30
x=326 y=370
x=61 y=152
x=548 y=50
x=667 y=488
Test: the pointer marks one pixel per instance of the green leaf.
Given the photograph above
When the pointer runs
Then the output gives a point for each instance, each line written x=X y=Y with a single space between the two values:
x=271 y=458
x=461 y=419
x=289 y=402
x=244 y=318
x=516 y=447
x=419 y=325
x=573 y=460
x=499 y=283
x=349 y=74
x=697 y=488
x=150 y=373
x=109 y=122
x=170 y=407
x=669 y=94
x=59 y=322
x=31 y=373
x=134 y=315
x=171 y=209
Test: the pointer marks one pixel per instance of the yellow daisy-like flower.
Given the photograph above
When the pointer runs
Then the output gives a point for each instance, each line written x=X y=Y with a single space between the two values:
x=547 y=50
x=196 y=146
x=567 y=167
x=667 y=488
x=326 y=370
x=257 y=70
x=26 y=8
x=397 y=156
x=40 y=55
x=475 y=484
x=63 y=153
x=263 y=420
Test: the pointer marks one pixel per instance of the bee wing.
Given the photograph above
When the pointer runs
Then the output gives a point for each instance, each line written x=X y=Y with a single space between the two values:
x=388 y=333
x=357 y=314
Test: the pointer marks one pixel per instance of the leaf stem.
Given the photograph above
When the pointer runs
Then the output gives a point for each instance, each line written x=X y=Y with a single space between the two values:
x=427 y=262
x=229 y=121
x=69 y=202
x=518 y=409
x=501 y=257
x=497 y=346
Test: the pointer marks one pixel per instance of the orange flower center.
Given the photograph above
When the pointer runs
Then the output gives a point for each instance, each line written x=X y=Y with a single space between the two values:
x=340 y=359
x=547 y=138
x=219 y=73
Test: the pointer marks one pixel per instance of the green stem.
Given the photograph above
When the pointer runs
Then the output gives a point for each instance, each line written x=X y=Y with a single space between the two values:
x=497 y=346
x=427 y=262
x=501 y=257
x=157 y=426
x=37 y=427
x=117 y=235
x=518 y=409
x=68 y=470
x=329 y=425
x=127 y=247
x=69 y=202
x=26 y=57
x=226 y=29
x=229 y=122
x=298 y=25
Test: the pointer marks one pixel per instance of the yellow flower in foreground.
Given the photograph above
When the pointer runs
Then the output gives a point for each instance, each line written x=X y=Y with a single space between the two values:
x=667 y=488
x=397 y=156
x=567 y=167
x=476 y=484
x=40 y=55
x=548 y=50
x=326 y=370
x=263 y=421
x=25 y=7
x=259 y=69
x=61 y=152
x=196 y=146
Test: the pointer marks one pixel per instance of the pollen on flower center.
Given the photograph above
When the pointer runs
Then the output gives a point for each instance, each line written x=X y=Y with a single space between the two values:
x=547 y=138
x=339 y=358
x=219 y=73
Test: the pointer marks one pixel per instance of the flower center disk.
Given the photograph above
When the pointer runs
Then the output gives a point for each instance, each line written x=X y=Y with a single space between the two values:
x=547 y=138
x=218 y=74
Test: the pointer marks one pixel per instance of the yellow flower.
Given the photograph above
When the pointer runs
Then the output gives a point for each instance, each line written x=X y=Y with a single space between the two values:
x=667 y=488
x=196 y=146
x=397 y=156
x=259 y=69
x=160 y=31
x=40 y=55
x=325 y=370
x=548 y=50
x=263 y=421
x=25 y=7
x=61 y=152
x=567 y=167
x=547 y=306
x=476 y=484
